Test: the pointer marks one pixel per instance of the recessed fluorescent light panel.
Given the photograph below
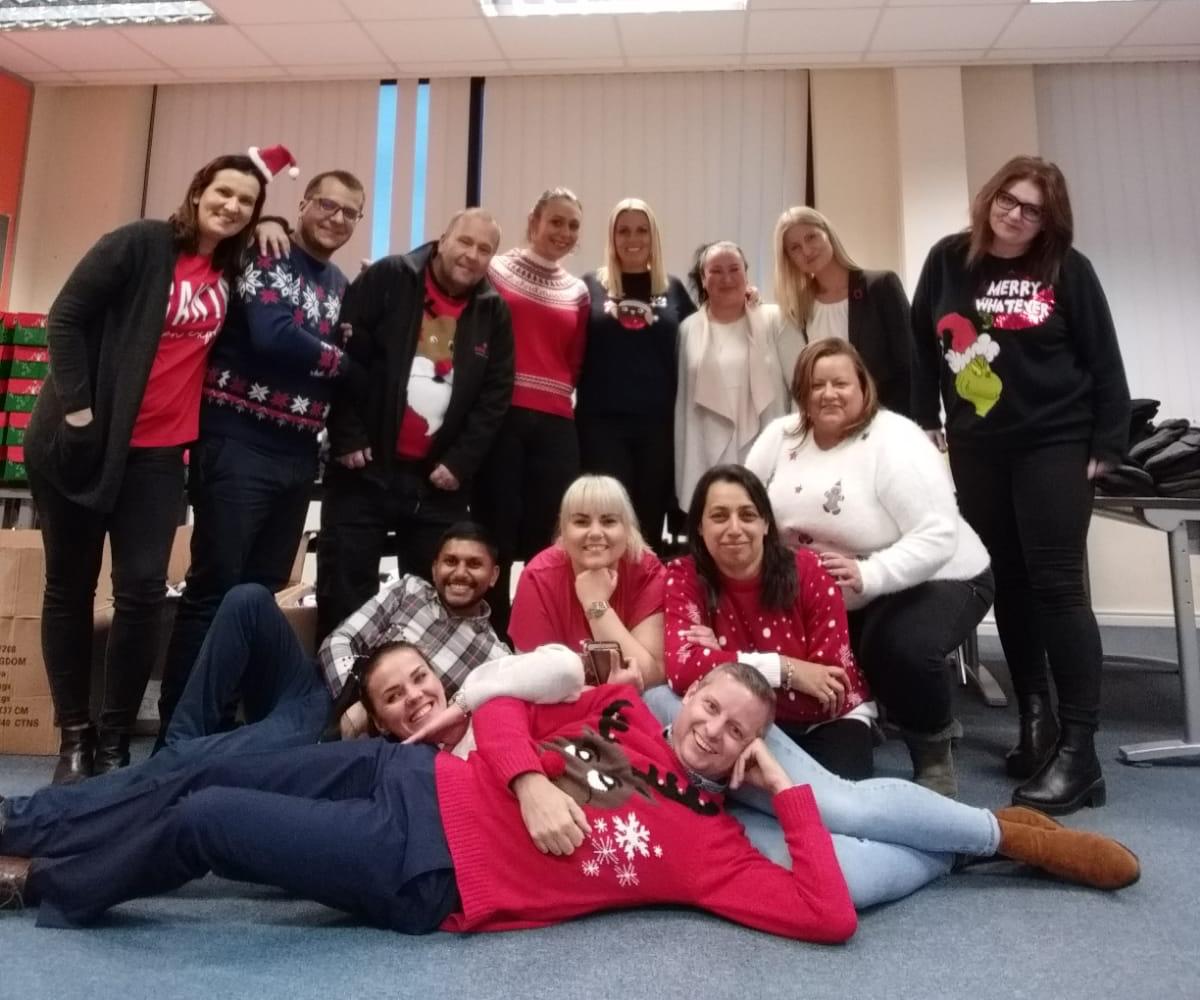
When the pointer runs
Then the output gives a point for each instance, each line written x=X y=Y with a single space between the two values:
x=551 y=8
x=32 y=14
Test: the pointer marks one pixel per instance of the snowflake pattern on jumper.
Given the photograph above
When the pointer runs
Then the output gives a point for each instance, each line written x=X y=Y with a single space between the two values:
x=632 y=836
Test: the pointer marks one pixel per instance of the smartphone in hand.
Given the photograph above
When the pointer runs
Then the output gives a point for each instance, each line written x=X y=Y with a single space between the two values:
x=600 y=659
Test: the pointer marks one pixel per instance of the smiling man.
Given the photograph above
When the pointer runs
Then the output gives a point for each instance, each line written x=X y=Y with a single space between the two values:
x=266 y=396
x=435 y=340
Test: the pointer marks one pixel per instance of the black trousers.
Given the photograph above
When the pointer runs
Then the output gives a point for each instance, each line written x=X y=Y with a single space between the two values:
x=1032 y=510
x=140 y=527
x=519 y=489
x=845 y=747
x=357 y=512
x=639 y=452
x=902 y=640
x=249 y=506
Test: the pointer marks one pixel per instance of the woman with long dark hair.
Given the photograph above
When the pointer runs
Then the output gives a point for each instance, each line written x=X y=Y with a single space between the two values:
x=1011 y=320
x=743 y=595
x=129 y=335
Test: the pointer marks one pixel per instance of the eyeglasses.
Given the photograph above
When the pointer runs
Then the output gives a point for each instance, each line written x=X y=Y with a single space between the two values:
x=1029 y=212
x=329 y=208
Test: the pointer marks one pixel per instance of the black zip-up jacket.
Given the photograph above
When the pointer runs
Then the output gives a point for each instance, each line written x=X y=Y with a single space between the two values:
x=384 y=306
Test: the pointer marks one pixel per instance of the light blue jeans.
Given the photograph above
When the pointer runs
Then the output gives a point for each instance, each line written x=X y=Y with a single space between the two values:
x=891 y=836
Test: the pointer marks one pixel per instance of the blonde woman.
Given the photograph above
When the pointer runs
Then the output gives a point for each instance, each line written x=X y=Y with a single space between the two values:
x=599 y=580
x=535 y=454
x=824 y=293
x=625 y=408
x=735 y=368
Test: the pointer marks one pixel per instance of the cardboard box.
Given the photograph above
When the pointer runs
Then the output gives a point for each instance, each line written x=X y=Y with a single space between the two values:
x=302 y=617
x=26 y=709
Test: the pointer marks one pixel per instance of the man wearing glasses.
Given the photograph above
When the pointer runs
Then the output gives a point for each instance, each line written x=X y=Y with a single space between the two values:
x=267 y=393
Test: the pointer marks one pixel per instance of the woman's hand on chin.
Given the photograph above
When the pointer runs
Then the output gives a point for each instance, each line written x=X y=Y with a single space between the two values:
x=593 y=585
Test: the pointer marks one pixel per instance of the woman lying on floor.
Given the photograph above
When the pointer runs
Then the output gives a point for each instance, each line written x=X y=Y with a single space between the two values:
x=891 y=836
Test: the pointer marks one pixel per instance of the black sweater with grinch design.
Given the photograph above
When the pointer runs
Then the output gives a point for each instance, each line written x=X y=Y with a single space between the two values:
x=1020 y=362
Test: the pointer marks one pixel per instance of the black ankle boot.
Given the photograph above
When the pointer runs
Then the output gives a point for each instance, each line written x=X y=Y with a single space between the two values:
x=1038 y=737
x=75 y=755
x=1070 y=779
x=112 y=752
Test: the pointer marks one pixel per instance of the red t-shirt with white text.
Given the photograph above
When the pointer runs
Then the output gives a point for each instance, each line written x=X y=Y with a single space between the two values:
x=196 y=307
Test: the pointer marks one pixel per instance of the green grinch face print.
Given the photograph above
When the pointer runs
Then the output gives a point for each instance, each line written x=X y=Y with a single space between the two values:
x=970 y=355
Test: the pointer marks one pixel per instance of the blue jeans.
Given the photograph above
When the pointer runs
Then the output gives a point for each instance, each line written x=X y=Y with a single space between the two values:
x=250 y=506
x=250 y=647
x=891 y=836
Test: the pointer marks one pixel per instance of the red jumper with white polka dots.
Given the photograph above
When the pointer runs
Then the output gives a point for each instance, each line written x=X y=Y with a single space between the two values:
x=813 y=629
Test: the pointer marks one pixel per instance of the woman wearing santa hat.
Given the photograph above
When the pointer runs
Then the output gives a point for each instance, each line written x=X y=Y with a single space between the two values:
x=1013 y=323
x=129 y=334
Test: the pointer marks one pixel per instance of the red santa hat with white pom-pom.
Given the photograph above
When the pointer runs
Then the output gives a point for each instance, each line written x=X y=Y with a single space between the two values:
x=274 y=160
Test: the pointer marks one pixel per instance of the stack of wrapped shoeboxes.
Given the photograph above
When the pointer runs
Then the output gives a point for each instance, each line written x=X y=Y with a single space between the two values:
x=23 y=364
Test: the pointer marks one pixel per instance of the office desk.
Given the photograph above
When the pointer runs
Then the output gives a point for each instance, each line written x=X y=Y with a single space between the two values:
x=1180 y=519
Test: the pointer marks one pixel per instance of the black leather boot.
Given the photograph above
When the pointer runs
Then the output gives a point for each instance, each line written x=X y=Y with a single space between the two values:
x=75 y=755
x=112 y=751
x=1038 y=737
x=1070 y=779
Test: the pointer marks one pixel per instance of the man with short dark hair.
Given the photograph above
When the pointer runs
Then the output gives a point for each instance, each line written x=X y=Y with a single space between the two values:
x=266 y=396
x=435 y=340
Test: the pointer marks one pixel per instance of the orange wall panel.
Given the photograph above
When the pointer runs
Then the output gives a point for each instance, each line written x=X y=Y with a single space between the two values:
x=15 y=100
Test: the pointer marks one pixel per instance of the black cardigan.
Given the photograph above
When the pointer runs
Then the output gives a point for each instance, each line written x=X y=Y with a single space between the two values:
x=881 y=331
x=103 y=329
x=385 y=308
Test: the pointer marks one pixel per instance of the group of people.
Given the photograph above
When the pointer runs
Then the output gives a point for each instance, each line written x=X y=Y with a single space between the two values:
x=828 y=571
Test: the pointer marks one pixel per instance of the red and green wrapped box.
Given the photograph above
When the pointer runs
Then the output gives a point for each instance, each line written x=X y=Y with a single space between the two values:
x=24 y=361
x=29 y=329
x=21 y=394
x=13 y=426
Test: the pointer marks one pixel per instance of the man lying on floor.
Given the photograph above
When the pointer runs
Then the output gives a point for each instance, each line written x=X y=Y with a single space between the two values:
x=563 y=810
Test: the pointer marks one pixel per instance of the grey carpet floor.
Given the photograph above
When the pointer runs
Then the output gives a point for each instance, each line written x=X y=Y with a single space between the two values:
x=990 y=932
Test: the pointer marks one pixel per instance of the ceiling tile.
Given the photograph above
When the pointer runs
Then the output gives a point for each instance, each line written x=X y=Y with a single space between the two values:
x=437 y=41
x=931 y=56
x=17 y=59
x=279 y=11
x=350 y=71
x=803 y=59
x=470 y=68
x=52 y=79
x=810 y=30
x=1049 y=55
x=954 y=3
x=197 y=45
x=556 y=37
x=1170 y=24
x=702 y=61
x=670 y=35
x=1092 y=24
x=88 y=48
x=913 y=29
x=233 y=73
x=757 y=5
x=115 y=76
x=314 y=44
x=412 y=10
x=582 y=64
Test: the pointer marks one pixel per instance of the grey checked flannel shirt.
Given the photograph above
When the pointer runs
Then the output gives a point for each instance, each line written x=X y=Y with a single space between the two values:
x=410 y=609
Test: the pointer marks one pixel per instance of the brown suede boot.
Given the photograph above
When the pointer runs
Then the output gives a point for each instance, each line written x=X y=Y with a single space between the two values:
x=1072 y=855
x=1027 y=817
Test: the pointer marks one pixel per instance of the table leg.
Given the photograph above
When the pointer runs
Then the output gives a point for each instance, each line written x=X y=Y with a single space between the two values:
x=1189 y=658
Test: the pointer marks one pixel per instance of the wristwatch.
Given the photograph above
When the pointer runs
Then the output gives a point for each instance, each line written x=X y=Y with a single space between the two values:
x=596 y=609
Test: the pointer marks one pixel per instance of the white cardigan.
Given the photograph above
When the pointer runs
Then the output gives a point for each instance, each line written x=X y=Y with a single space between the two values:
x=706 y=431
x=884 y=495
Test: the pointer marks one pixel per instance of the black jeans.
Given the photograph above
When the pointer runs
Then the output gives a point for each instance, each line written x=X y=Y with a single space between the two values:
x=518 y=491
x=250 y=506
x=1032 y=509
x=901 y=641
x=845 y=747
x=356 y=514
x=141 y=527
x=639 y=452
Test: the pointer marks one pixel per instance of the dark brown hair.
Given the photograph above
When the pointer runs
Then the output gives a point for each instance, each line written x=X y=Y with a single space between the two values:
x=1052 y=242
x=343 y=177
x=227 y=257
x=802 y=380
x=778 y=587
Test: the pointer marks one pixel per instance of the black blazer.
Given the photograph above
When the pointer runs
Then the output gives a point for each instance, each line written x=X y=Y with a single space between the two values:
x=881 y=331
